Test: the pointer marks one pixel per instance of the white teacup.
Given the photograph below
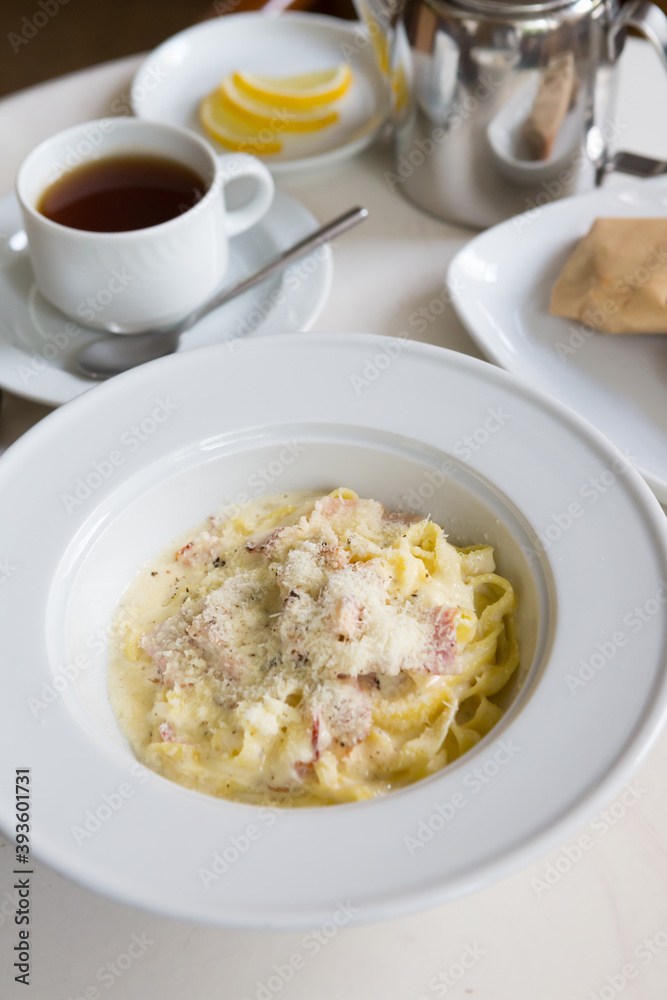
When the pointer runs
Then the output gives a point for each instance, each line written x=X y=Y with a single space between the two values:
x=131 y=281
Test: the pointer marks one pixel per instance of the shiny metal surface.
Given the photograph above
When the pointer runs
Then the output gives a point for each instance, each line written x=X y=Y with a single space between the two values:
x=464 y=75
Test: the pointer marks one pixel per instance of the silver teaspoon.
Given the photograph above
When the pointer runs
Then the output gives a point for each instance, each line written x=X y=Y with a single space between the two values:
x=115 y=354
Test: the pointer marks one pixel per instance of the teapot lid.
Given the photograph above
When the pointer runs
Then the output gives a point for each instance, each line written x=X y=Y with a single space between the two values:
x=521 y=6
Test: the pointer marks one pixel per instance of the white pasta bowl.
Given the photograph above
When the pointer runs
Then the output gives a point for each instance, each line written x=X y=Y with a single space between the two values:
x=102 y=485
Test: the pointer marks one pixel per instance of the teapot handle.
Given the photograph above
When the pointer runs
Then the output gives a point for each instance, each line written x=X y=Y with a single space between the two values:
x=649 y=20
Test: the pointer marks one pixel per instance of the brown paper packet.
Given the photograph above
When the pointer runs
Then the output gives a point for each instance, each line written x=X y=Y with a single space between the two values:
x=616 y=279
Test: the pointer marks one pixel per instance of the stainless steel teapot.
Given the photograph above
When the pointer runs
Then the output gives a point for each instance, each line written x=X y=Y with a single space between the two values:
x=501 y=105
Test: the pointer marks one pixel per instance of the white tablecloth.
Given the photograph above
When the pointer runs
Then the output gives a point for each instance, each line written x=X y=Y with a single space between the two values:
x=587 y=921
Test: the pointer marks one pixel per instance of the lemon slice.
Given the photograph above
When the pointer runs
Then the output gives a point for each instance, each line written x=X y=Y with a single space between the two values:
x=232 y=131
x=259 y=114
x=309 y=90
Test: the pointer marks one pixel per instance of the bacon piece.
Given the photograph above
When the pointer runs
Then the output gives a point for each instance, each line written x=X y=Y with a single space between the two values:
x=334 y=556
x=174 y=643
x=201 y=550
x=442 y=654
x=328 y=506
x=209 y=633
x=167 y=645
x=263 y=541
x=217 y=520
x=341 y=713
x=185 y=646
x=320 y=735
x=347 y=617
x=168 y=734
x=228 y=615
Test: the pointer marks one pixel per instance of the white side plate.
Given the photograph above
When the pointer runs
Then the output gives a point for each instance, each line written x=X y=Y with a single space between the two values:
x=501 y=284
x=171 y=82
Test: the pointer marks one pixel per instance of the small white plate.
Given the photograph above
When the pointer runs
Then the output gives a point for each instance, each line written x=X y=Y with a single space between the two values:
x=99 y=486
x=38 y=344
x=171 y=82
x=501 y=283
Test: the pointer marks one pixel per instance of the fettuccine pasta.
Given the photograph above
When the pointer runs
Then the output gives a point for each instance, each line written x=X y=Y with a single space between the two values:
x=309 y=650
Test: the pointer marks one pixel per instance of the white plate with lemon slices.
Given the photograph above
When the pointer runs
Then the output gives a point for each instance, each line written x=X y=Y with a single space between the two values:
x=297 y=90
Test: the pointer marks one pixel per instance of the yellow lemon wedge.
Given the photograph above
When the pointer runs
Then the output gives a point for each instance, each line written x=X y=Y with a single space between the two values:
x=232 y=131
x=309 y=90
x=260 y=114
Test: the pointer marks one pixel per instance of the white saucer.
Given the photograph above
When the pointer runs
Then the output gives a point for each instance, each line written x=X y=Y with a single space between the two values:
x=38 y=343
x=501 y=283
x=170 y=83
x=99 y=486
